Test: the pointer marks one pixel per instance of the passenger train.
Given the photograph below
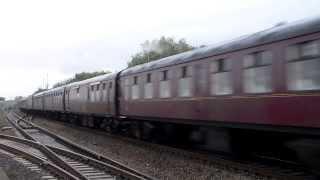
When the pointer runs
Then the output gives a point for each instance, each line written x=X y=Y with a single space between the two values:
x=257 y=93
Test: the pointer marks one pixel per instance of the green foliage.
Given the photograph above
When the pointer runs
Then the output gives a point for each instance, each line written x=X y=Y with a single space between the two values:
x=2 y=99
x=80 y=77
x=157 y=49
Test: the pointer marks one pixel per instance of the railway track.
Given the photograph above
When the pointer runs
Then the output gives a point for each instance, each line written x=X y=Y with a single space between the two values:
x=260 y=165
x=76 y=161
x=34 y=162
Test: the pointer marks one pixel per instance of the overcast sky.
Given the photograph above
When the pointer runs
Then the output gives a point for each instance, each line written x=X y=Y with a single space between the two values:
x=63 y=37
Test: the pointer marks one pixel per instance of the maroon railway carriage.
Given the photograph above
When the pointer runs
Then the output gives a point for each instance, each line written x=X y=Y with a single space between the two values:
x=268 y=78
x=257 y=93
x=38 y=102
x=53 y=100
x=94 y=96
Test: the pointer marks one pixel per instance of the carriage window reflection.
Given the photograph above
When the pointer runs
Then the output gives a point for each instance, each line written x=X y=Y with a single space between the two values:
x=135 y=89
x=185 y=81
x=165 y=89
x=303 y=71
x=221 y=77
x=148 y=87
x=257 y=75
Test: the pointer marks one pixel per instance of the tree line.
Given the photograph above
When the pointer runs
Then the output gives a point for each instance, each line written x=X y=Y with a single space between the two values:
x=150 y=51
x=159 y=48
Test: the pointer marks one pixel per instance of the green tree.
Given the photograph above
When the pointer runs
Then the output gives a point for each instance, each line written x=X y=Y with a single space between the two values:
x=2 y=99
x=159 y=48
x=80 y=77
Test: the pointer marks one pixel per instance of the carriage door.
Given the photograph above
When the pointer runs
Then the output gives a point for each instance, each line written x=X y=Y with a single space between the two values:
x=91 y=93
x=68 y=99
x=98 y=93
x=110 y=95
x=104 y=94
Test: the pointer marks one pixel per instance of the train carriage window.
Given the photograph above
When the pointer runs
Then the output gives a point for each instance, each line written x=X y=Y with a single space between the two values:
x=292 y=53
x=248 y=60
x=126 y=89
x=92 y=94
x=309 y=49
x=220 y=65
x=265 y=58
x=135 y=88
x=149 y=78
x=221 y=79
x=184 y=72
x=303 y=70
x=135 y=80
x=185 y=82
x=98 y=97
x=109 y=92
x=104 y=91
x=164 y=76
x=165 y=89
x=148 y=87
x=257 y=77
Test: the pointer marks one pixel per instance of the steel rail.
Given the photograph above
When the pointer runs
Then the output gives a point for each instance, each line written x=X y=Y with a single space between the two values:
x=86 y=152
x=73 y=155
x=56 y=170
x=49 y=153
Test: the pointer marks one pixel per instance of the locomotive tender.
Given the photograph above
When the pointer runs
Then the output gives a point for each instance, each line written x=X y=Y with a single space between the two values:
x=257 y=93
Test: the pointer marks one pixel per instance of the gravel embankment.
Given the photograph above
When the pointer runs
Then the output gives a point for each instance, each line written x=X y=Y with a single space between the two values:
x=16 y=171
x=158 y=164
x=5 y=126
